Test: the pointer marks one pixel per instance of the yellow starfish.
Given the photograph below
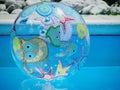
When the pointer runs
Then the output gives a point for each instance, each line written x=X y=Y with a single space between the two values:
x=62 y=71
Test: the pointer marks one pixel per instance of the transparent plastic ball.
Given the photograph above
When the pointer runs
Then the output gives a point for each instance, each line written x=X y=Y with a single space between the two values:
x=49 y=40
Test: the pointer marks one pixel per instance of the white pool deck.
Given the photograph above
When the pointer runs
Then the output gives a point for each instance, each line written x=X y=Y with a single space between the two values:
x=89 y=19
x=97 y=24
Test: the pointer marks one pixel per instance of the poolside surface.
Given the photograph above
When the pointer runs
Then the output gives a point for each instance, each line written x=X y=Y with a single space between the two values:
x=89 y=19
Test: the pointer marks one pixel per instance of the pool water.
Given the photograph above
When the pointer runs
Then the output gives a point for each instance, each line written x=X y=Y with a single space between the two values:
x=101 y=70
x=88 y=78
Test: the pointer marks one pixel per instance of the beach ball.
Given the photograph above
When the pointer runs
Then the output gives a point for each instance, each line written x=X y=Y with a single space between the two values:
x=49 y=40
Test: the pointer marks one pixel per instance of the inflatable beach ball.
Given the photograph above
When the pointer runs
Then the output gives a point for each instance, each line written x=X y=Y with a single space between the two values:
x=49 y=40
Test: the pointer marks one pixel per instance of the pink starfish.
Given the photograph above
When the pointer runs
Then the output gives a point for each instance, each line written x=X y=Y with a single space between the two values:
x=45 y=75
x=66 y=19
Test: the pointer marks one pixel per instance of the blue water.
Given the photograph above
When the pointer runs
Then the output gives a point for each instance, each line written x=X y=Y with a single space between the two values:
x=88 y=78
x=101 y=70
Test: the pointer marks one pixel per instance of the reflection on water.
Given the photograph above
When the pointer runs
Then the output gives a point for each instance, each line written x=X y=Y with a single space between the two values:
x=88 y=78
x=37 y=84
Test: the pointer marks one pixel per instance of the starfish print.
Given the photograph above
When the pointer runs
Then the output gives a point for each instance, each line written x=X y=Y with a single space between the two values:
x=62 y=71
x=66 y=19
x=45 y=75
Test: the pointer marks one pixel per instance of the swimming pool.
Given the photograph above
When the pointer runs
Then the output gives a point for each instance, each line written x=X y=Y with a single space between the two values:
x=101 y=71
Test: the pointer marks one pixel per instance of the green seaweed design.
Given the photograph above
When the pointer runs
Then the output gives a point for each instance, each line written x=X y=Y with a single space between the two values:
x=53 y=33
